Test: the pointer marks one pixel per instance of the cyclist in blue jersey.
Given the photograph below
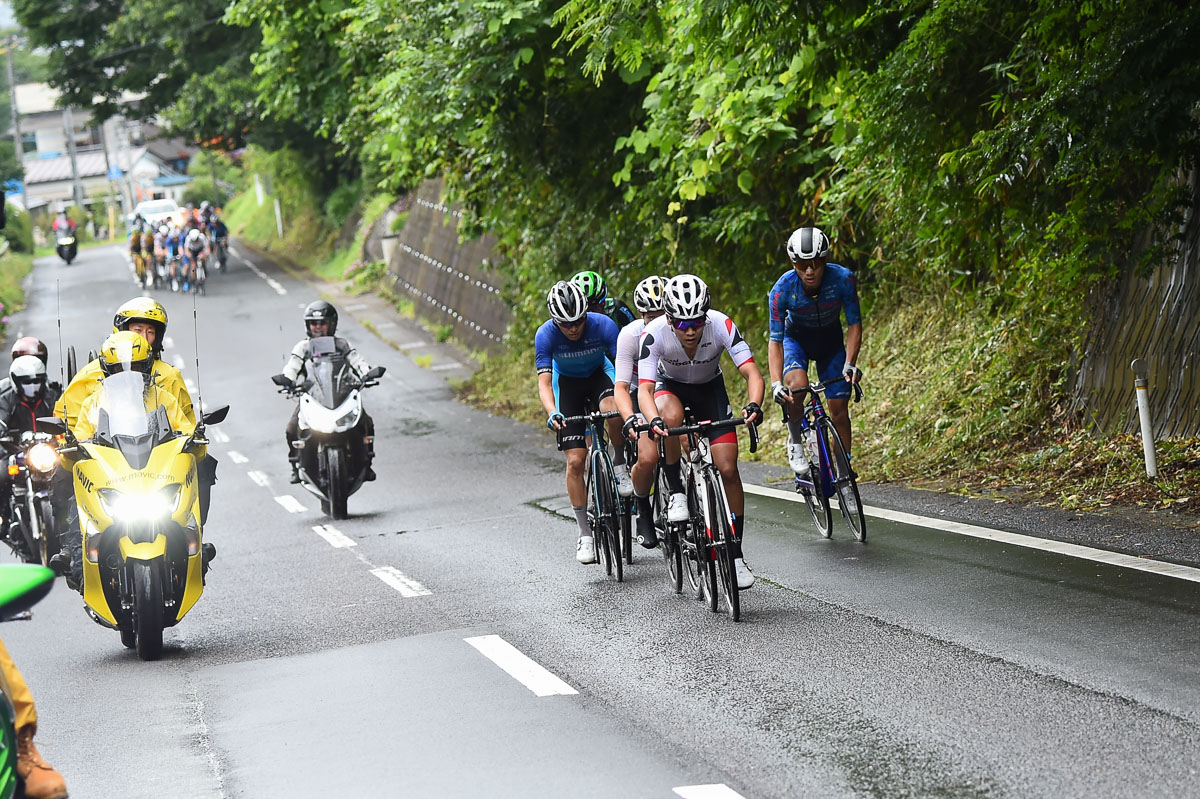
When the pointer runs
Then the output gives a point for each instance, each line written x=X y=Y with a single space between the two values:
x=807 y=303
x=596 y=291
x=575 y=351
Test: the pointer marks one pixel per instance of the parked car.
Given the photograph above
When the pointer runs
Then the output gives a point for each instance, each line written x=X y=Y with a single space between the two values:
x=156 y=211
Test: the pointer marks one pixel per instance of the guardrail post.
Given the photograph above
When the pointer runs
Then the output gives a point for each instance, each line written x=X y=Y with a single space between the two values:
x=1141 y=389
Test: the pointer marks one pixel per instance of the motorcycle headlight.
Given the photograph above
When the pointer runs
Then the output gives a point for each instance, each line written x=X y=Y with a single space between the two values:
x=66 y=241
x=128 y=507
x=41 y=458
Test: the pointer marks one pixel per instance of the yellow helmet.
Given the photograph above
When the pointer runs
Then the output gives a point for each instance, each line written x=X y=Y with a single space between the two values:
x=126 y=351
x=142 y=309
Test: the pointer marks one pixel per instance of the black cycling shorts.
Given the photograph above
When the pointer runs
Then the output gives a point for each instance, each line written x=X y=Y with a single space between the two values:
x=576 y=396
x=708 y=401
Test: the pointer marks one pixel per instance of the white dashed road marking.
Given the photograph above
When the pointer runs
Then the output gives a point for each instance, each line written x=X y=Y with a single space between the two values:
x=238 y=457
x=720 y=791
x=401 y=582
x=334 y=536
x=519 y=666
x=290 y=504
x=218 y=436
x=260 y=478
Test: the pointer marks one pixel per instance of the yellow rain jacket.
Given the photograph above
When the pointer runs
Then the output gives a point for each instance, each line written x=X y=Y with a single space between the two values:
x=86 y=383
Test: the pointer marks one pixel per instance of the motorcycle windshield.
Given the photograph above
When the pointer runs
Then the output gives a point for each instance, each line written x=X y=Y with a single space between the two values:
x=328 y=370
x=123 y=405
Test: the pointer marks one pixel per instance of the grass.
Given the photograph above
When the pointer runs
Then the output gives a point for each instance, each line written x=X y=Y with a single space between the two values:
x=14 y=267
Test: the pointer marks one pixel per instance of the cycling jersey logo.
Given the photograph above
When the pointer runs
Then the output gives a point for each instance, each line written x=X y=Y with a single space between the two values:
x=647 y=340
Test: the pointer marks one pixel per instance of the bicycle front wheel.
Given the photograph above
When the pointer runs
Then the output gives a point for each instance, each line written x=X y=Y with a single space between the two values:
x=668 y=534
x=845 y=485
x=722 y=527
x=606 y=530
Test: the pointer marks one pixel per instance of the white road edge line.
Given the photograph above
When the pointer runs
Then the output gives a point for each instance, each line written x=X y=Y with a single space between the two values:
x=290 y=504
x=335 y=537
x=1016 y=539
x=719 y=791
x=406 y=585
x=519 y=666
x=270 y=281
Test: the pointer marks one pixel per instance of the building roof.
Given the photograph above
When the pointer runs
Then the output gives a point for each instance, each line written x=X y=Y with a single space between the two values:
x=48 y=170
x=38 y=98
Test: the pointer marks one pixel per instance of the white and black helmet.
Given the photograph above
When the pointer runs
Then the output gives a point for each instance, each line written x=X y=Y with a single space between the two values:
x=29 y=373
x=686 y=297
x=566 y=302
x=807 y=243
x=648 y=294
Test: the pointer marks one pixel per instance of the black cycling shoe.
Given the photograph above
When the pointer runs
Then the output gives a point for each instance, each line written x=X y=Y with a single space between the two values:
x=647 y=535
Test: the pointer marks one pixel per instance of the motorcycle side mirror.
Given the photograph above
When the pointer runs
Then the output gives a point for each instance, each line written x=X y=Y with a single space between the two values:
x=281 y=380
x=52 y=424
x=375 y=373
x=217 y=416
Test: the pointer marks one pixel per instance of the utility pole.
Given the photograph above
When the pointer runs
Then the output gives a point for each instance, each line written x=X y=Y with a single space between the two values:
x=69 y=126
x=18 y=142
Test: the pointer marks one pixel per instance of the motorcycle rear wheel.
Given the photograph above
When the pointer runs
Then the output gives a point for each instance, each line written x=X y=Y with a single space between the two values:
x=148 y=611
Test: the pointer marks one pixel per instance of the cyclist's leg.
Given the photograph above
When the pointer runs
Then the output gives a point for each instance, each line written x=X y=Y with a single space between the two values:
x=670 y=408
x=570 y=397
x=837 y=396
x=795 y=377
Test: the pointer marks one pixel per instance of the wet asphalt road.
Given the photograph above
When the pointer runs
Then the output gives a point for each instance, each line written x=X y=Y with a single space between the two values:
x=921 y=664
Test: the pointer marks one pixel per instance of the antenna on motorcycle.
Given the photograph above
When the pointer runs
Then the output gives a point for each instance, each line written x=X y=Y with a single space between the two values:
x=62 y=369
x=196 y=334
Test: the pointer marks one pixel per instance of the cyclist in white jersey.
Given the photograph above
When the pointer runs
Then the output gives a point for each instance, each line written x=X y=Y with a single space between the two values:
x=648 y=299
x=680 y=364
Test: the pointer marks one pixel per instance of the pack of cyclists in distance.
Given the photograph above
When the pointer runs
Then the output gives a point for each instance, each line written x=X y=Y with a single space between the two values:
x=183 y=244
x=595 y=353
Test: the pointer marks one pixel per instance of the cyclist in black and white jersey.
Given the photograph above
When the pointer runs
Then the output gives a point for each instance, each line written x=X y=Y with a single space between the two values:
x=680 y=364
x=648 y=299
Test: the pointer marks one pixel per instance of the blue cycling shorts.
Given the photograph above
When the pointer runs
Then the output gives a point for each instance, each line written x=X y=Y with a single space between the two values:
x=828 y=369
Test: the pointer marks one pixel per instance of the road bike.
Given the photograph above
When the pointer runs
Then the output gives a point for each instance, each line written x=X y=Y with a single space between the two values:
x=604 y=509
x=702 y=547
x=829 y=472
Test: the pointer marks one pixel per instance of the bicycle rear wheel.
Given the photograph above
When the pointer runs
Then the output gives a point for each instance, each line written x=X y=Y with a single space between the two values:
x=723 y=548
x=818 y=506
x=626 y=524
x=845 y=484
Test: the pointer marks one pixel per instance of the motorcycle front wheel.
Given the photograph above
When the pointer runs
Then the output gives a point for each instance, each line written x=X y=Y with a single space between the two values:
x=50 y=542
x=147 y=611
x=335 y=473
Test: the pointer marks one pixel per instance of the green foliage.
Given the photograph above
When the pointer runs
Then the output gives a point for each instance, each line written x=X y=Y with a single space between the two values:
x=13 y=269
x=18 y=230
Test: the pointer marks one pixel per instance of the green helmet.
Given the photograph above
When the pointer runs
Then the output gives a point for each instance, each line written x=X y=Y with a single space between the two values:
x=592 y=286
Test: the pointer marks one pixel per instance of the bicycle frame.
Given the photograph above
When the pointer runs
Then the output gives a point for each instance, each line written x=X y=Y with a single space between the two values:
x=599 y=461
x=813 y=413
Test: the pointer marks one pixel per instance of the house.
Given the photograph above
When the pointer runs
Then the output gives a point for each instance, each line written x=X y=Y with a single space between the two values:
x=123 y=159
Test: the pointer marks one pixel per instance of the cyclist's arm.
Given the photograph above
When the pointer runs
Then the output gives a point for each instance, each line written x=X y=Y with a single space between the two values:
x=754 y=380
x=853 y=342
x=775 y=360
x=546 y=391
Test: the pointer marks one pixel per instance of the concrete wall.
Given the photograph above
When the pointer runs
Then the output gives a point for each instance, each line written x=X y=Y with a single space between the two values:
x=1157 y=318
x=446 y=280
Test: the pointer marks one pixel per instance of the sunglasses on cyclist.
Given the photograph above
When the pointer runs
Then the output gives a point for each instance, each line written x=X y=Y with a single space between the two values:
x=808 y=265
x=685 y=325
x=572 y=325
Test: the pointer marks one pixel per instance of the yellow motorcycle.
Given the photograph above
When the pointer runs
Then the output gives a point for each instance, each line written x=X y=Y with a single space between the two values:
x=137 y=493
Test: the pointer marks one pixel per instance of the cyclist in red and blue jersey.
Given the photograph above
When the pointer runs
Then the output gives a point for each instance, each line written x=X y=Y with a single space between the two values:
x=575 y=351
x=807 y=303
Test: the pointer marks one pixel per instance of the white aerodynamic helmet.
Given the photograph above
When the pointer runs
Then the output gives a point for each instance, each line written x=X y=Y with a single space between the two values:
x=566 y=302
x=29 y=373
x=648 y=294
x=686 y=297
x=807 y=243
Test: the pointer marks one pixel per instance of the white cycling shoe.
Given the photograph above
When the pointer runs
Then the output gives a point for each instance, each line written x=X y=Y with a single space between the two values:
x=798 y=459
x=745 y=577
x=585 y=550
x=624 y=481
x=677 y=508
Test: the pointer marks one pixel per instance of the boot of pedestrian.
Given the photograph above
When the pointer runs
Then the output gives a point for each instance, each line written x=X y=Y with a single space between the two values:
x=40 y=779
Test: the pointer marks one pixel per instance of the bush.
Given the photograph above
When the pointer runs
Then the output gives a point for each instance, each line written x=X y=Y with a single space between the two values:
x=19 y=230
